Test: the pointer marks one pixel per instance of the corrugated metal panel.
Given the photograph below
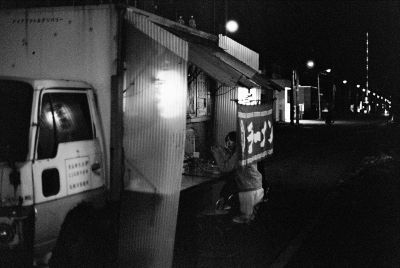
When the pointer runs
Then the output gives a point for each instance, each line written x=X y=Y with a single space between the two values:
x=154 y=138
x=225 y=112
x=165 y=38
x=239 y=51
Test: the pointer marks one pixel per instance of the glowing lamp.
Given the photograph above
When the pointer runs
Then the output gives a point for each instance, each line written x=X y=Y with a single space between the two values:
x=232 y=26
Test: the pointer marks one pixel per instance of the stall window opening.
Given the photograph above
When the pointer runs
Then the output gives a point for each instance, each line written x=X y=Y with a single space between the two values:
x=199 y=102
x=199 y=113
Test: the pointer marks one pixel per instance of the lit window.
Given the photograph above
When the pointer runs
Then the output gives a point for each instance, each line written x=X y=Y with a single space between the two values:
x=247 y=96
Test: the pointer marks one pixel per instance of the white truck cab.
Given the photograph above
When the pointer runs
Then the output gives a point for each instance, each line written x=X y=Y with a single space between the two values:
x=51 y=160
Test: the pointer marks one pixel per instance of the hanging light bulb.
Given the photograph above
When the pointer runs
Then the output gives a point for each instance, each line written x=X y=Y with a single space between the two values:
x=232 y=26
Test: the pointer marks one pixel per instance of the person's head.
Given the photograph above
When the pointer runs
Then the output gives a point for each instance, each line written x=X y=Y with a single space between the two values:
x=230 y=141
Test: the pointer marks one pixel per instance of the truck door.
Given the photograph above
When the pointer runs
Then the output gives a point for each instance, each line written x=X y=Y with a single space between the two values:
x=68 y=160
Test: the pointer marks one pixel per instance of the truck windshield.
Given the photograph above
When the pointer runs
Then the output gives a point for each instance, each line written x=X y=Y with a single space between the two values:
x=15 y=114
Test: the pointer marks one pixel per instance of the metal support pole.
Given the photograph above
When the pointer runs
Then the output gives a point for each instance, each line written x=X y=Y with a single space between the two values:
x=296 y=84
x=319 y=98
x=333 y=95
x=292 y=99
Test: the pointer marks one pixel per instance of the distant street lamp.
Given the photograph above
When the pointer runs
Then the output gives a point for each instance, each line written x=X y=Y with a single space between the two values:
x=319 y=91
x=310 y=64
x=345 y=82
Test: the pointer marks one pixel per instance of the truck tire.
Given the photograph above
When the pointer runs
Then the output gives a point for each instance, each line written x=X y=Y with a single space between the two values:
x=77 y=242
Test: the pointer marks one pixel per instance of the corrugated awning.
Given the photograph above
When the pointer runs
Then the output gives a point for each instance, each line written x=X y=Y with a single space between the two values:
x=225 y=68
x=204 y=57
x=243 y=68
x=213 y=60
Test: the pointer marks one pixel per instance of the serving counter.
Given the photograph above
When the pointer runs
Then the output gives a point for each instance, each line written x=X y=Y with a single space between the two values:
x=199 y=176
x=189 y=181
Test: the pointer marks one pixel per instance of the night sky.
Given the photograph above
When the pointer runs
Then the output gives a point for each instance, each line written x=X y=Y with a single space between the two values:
x=287 y=33
x=332 y=33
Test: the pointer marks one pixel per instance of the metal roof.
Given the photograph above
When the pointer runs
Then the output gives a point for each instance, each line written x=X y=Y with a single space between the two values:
x=205 y=53
x=204 y=57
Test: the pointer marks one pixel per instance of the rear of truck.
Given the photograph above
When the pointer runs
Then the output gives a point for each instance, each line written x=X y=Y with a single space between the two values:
x=52 y=161
x=54 y=133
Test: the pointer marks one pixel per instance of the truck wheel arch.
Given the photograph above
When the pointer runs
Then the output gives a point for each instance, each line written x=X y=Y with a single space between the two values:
x=76 y=232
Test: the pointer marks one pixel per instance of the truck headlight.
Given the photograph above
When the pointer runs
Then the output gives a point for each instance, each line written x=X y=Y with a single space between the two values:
x=6 y=233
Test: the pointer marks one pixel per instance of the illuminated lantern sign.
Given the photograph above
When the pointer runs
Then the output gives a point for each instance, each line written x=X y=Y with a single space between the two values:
x=255 y=133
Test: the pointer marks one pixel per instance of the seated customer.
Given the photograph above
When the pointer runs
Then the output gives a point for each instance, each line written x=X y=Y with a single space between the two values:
x=247 y=179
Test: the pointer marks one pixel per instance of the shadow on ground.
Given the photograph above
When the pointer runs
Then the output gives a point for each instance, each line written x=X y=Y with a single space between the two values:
x=310 y=165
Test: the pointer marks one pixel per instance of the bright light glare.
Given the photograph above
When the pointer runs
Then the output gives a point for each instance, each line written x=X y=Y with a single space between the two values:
x=232 y=26
x=358 y=86
x=57 y=119
x=169 y=94
x=344 y=81
x=328 y=70
x=310 y=64
x=49 y=117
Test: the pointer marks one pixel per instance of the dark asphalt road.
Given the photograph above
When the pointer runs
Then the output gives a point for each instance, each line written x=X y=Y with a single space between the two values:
x=326 y=208
x=360 y=226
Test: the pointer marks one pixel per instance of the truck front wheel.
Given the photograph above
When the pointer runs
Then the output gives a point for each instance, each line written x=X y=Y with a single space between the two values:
x=78 y=244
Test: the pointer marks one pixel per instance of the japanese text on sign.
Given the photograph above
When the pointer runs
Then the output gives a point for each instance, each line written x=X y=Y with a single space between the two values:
x=256 y=132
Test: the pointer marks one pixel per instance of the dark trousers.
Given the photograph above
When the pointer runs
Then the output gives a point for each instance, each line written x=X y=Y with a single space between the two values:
x=229 y=187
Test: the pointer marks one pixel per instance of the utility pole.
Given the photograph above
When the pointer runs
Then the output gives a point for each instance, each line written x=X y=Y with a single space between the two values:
x=319 y=98
x=294 y=101
x=296 y=83
x=291 y=99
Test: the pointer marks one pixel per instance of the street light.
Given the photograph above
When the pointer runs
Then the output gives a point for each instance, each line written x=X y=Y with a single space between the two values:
x=319 y=91
x=232 y=26
x=310 y=64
